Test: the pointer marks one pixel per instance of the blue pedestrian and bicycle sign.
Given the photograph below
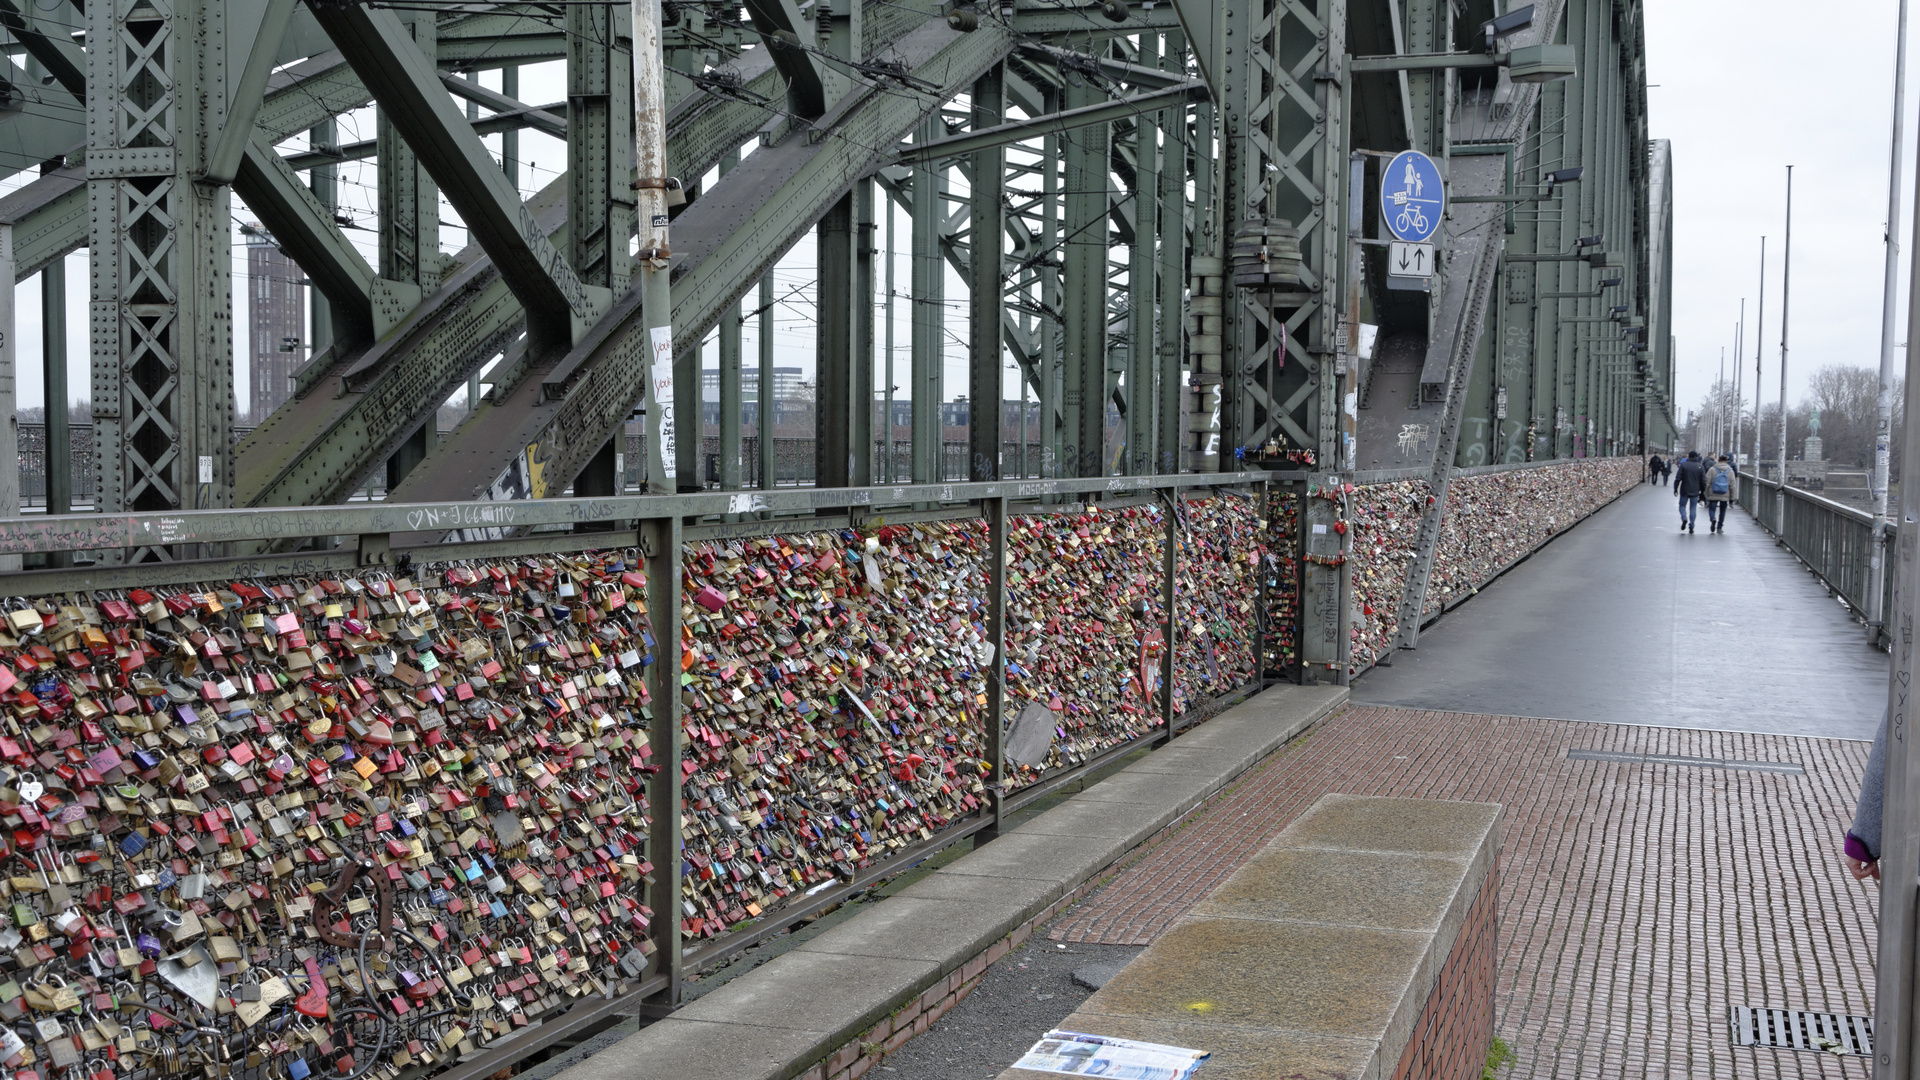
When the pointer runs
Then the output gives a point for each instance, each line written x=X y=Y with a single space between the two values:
x=1412 y=197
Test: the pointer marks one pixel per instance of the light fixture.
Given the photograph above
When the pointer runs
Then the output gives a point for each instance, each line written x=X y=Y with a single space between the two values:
x=1568 y=176
x=1608 y=283
x=1587 y=241
x=1511 y=23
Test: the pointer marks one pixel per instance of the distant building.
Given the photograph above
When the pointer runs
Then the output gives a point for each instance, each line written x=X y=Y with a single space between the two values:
x=786 y=383
x=277 y=316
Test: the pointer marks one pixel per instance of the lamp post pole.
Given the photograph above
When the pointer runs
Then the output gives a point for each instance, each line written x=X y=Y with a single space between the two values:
x=1883 y=406
x=1786 y=301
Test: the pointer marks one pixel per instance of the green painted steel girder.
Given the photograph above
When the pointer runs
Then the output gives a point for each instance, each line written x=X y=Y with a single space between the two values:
x=723 y=242
x=305 y=230
x=557 y=304
x=319 y=446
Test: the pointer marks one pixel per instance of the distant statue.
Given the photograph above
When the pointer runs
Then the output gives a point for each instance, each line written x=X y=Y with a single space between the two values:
x=1814 y=421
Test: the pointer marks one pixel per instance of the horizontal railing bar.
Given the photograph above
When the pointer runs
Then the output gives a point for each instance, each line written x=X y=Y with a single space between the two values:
x=93 y=532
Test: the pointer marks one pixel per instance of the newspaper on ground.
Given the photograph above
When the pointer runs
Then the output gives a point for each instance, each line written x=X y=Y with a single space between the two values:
x=1074 y=1053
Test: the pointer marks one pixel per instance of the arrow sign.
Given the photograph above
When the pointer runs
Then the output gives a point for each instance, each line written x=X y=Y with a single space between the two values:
x=1410 y=260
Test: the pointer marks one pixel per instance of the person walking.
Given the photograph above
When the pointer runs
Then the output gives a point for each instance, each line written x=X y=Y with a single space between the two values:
x=1655 y=468
x=1689 y=483
x=1723 y=486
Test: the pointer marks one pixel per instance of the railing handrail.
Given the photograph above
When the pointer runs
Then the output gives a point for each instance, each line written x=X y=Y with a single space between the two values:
x=1821 y=501
x=88 y=532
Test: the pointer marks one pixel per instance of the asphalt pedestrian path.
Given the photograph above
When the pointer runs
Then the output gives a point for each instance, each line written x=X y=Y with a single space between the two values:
x=1627 y=620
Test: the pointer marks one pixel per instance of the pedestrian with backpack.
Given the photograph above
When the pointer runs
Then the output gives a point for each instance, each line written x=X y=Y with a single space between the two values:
x=1689 y=482
x=1655 y=467
x=1723 y=486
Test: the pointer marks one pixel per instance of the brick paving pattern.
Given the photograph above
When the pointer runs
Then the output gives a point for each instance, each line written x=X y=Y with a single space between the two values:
x=1638 y=902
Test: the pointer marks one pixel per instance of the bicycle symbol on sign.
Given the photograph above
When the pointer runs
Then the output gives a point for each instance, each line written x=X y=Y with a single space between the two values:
x=1411 y=220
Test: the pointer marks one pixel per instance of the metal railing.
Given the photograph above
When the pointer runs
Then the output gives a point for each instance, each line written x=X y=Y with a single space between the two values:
x=372 y=535
x=1833 y=540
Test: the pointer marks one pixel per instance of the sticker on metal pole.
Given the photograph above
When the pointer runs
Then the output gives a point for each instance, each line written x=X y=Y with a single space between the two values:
x=1412 y=197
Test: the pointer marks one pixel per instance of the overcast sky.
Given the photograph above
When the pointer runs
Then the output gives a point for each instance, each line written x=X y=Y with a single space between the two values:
x=1742 y=97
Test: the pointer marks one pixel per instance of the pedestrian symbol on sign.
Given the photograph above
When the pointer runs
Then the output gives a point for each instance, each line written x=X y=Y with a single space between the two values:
x=1412 y=198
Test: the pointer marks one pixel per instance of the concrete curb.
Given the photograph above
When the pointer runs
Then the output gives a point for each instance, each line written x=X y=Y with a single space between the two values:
x=839 y=1003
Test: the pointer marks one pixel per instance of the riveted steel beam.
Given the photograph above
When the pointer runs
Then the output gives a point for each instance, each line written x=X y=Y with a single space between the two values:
x=306 y=231
x=723 y=242
x=557 y=304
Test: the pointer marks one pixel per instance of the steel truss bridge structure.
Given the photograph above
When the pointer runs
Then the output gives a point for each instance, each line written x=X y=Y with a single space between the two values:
x=1181 y=200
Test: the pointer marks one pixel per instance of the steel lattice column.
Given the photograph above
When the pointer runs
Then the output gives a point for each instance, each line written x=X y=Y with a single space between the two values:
x=1084 y=307
x=162 y=298
x=1282 y=156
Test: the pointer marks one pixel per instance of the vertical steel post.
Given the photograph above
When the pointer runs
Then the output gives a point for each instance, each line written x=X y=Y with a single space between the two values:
x=730 y=378
x=1084 y=307
x=860 y=367
x=833 y=451
x=1894 y=1011
x=1759 y=344
x=324 y=180
x=1786 y=294
x=409 y=202
x=58 y=460
x=1171 y=226
x=1169 y=610
x=1883 y=403
x=9 y=401
x=929 y=309
x=660 y=543
x=994 y=716
x=1047 y=390
x=764 y=405
x=600 y=198
x=887 y=470
x=1142 y=281
x=985 y=321
x=510 y=138
x=656 y=298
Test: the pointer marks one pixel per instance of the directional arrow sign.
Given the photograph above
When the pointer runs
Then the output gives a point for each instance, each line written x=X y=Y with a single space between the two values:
x=1410 y=260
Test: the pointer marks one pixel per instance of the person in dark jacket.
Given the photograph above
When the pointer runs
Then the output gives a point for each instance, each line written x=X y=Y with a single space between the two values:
x=1689 y=482
x=1655 y=469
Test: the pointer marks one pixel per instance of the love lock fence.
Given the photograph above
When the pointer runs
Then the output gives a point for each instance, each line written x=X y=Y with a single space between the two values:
x=397 y=806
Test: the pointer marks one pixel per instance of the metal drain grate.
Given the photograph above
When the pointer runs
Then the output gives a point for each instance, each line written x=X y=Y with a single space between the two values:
x=1794 y=1029
x=1785 y=768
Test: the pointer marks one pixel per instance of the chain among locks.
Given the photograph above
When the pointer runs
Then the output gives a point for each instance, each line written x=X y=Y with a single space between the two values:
x=320 y=828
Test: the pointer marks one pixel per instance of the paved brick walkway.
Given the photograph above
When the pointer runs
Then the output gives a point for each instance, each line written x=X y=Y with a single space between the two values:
x=1637 y=902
